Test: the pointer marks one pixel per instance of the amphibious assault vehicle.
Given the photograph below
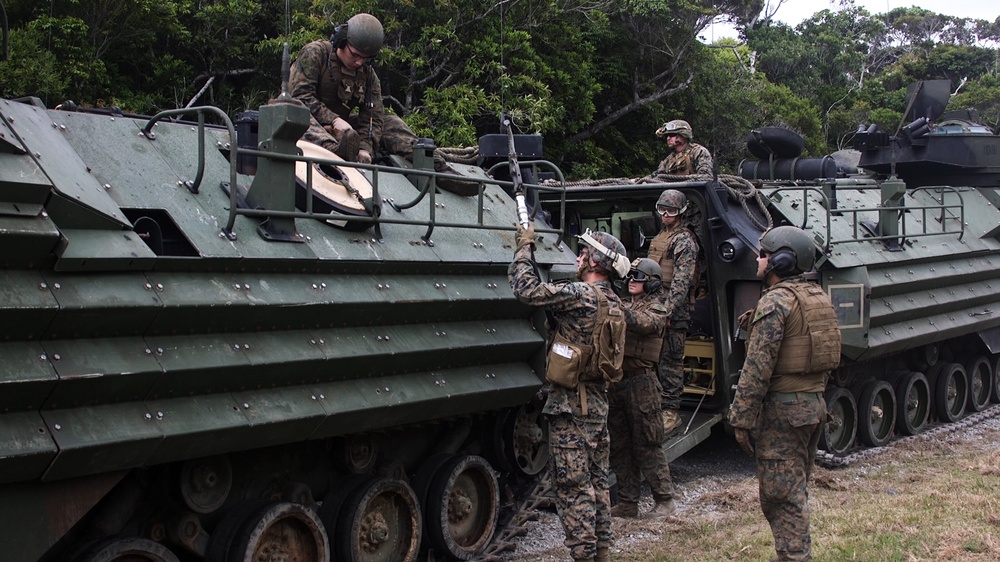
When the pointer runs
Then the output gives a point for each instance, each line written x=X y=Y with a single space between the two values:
x=907 y=239
x=219 y=353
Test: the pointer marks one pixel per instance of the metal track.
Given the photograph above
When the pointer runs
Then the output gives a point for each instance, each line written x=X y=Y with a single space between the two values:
x=829 y=460
x=525 y=510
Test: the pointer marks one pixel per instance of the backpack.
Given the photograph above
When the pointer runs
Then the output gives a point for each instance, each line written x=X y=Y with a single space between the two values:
x=609 y=341
x=569 y=363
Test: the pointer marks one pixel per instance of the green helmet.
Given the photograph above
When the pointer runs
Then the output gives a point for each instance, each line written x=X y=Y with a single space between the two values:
x=675 y=127
x=648 y=267
x=365 y=33
x=790 y=240
x=607 y=252
x=671 y=199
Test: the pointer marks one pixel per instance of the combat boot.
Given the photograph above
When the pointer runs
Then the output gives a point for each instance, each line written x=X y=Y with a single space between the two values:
x=661 y=509
x=671 y=421
x=603 y=554
x=625 y=509
x=349 y=145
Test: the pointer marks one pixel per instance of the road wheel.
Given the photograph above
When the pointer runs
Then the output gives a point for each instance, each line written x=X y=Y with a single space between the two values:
x=950 y=392
x=913 y=403
x=839 y=432
x=463 y=503
x=876 y=413
x=379 y=522
x=980 y=375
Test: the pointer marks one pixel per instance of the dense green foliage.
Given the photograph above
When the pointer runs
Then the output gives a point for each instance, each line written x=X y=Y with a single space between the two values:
x=596 y=77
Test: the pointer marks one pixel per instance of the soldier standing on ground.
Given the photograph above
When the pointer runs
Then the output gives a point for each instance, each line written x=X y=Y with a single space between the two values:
x=675 y=249
x=685 y=158
x=577 y=418
x=778 y=411
x=634 y=418
x=336 y=81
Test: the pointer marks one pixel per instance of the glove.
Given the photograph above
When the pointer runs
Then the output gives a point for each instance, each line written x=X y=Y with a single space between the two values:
x=526 y=236
x=339 y=126
x=743 y=439
x=364 y=157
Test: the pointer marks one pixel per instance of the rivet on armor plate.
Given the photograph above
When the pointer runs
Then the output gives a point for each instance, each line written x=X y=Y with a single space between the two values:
x=148 y=416
x=58 y=427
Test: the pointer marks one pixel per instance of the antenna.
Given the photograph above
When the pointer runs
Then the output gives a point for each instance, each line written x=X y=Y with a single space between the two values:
x=285 y=58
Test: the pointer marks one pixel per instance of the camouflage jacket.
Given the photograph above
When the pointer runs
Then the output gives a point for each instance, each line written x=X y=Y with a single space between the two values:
x=573 y=309
x=320 y=81
x=646 y=318
x=767 y=330
x=695 y=159
x=682 y=252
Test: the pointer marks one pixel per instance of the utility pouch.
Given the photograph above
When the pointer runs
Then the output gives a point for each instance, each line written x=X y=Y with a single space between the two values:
x=564 y=363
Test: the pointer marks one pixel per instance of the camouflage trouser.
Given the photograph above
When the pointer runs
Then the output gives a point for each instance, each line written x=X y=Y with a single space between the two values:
x=786 y=437
x=580 y=455
x=636 y=430
x=397 y=138
x=671 y=368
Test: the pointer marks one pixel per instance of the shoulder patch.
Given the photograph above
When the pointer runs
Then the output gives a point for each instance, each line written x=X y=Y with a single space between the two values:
x=763 y=309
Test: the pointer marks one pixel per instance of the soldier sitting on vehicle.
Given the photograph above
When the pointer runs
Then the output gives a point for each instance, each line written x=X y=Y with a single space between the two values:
x=335 y=79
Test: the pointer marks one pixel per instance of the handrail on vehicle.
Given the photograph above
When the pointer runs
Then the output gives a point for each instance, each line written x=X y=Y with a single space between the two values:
x=904 y=210
x=376 y=170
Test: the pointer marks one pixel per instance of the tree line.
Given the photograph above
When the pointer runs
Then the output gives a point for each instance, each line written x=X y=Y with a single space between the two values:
x=595 y=77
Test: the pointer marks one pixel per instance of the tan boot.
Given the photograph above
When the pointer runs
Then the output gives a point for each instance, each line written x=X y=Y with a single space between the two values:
x=625 y=509
x=603 y=554
x=671 y=421
x=661 y=509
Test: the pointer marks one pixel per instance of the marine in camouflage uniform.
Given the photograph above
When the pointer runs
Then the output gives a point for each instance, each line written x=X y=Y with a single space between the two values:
x=578 y=441
x=778 y=411
x=634 y=419
x=321 y=80
x=675 y=249
x=685 y=157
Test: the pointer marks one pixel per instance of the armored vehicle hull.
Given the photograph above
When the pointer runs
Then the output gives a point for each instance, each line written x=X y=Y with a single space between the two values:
x=195 y=369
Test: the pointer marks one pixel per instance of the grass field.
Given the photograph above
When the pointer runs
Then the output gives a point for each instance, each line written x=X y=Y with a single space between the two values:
x=927 y=498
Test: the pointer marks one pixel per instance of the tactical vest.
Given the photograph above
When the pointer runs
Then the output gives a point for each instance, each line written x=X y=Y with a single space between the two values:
x=659 y=252
x=341 y=92
x=644 y=346
x=812 y=335
x=679 y=164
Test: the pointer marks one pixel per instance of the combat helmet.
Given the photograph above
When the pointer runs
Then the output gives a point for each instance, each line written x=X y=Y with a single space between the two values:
x=365 y=33
x=671 y=199
x=607 y=252
x=789 y=240
x=647 y=267
x=676 y=127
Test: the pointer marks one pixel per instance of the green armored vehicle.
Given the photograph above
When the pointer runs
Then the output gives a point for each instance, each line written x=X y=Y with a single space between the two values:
x=908 y=249
x=214 y=353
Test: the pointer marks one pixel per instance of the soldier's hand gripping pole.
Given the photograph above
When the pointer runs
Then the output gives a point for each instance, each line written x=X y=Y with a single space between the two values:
x=515 y=176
